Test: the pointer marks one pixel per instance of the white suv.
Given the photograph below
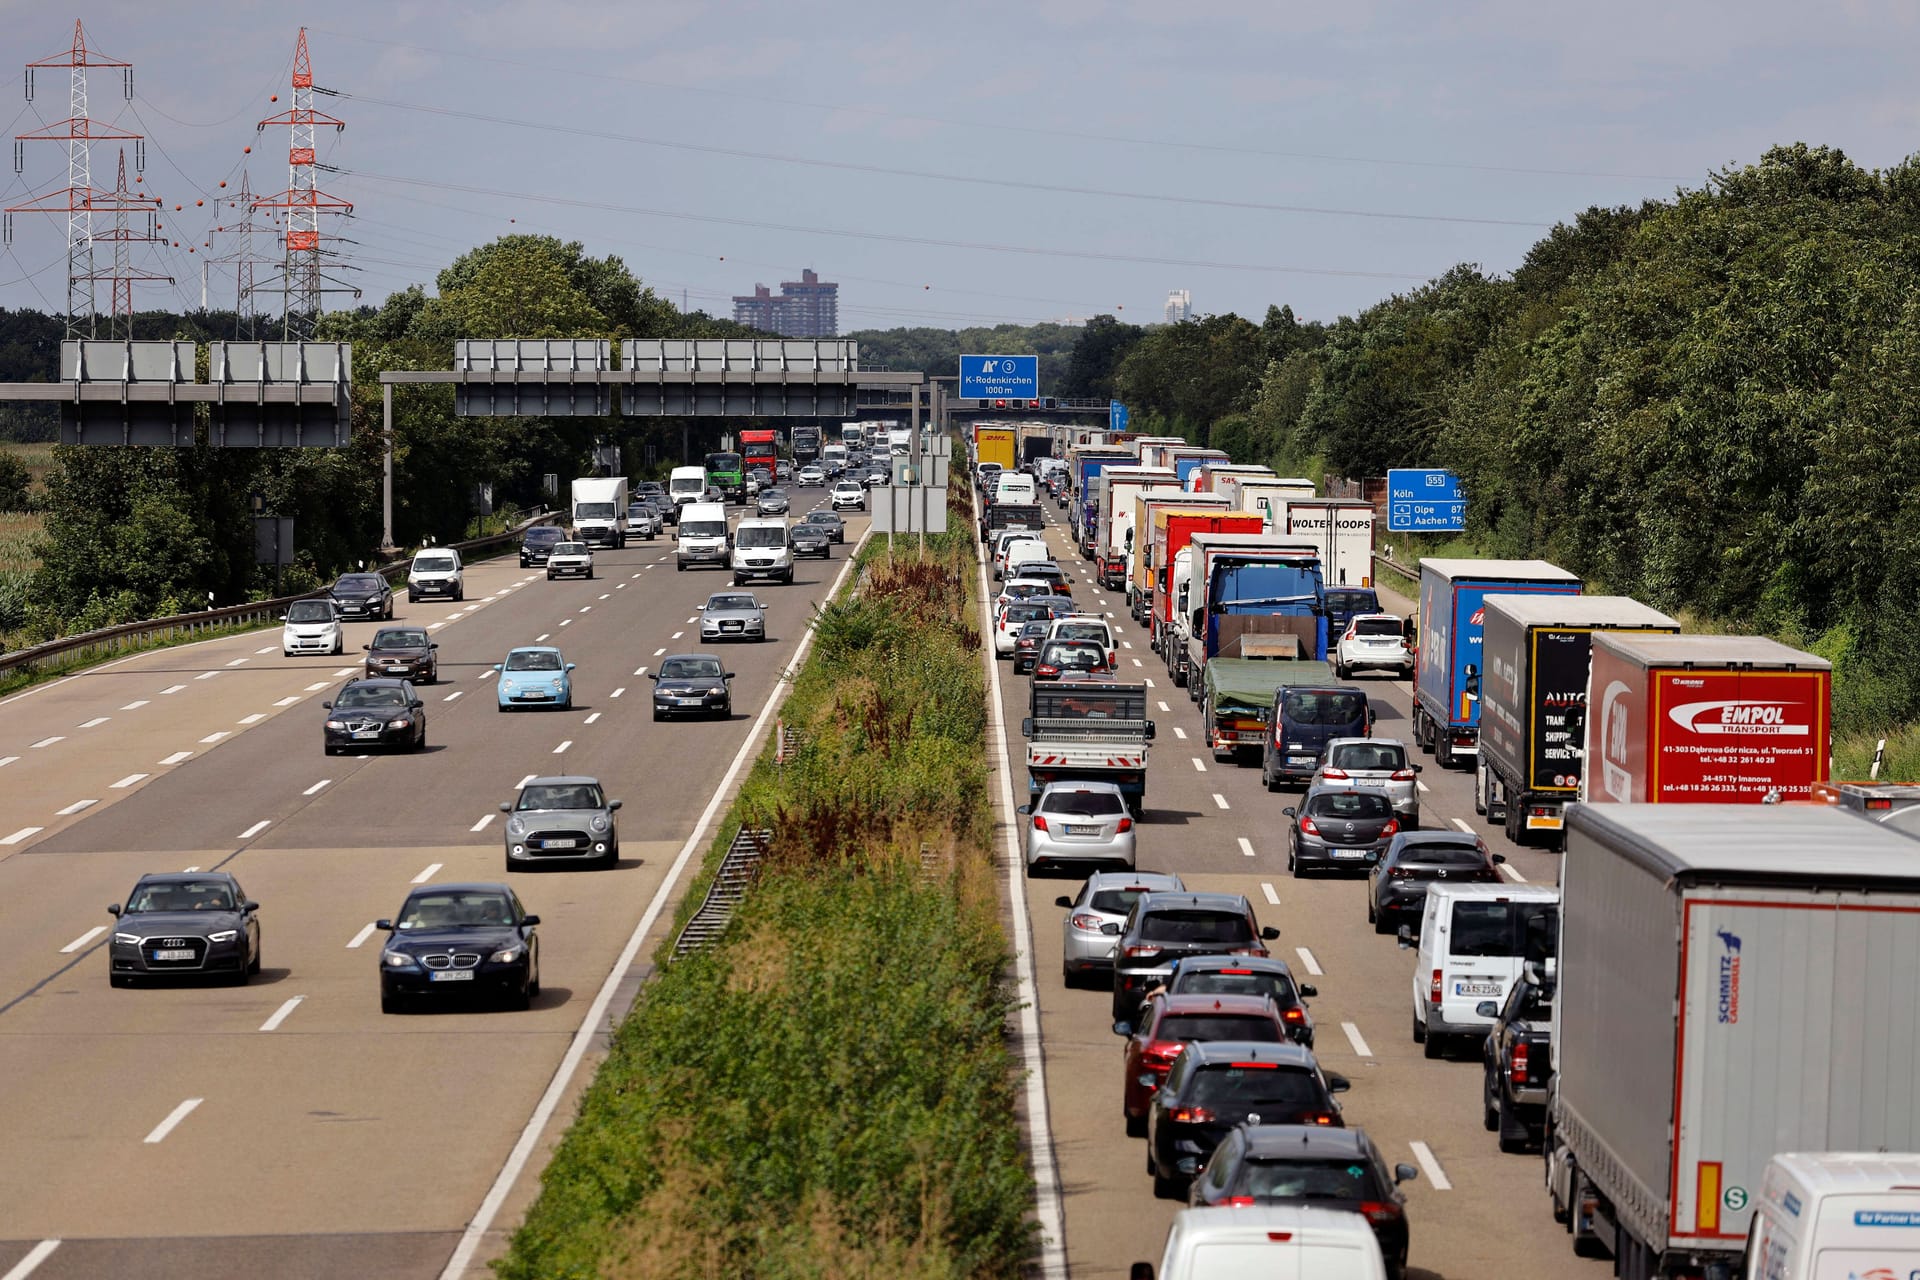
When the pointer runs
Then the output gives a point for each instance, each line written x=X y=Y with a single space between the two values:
x=849 y=494
x=1373 y=642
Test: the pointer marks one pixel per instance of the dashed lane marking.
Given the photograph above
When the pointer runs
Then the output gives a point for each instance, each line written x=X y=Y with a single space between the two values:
x=617 y=692
x=482 y=824
x=280 y=1014
x=318 y=685
x=428 y=874
x=318 y=787
x=76 y=807
x=1164 y=707
x=1272 y=895
x=455 y=694
x=1431 y=1167
x=256 y=829
x=1246 y=846
x=288 y=701
x=206 y=675
x=1221 y=800
x=566 y=622
x=135 y=705
x=1424 y=788
x=561 y=749
x=590 y=719
x=542 y=636
x=1462 y=824
x=173 y=688
x=177 y=757
x=1513 y=875
x=31 y=1263
x=366 y=931
x=524 y=781
x=96 y=722
x=23 y=833
x=1313 y=966
x=255 y=718
x=215 y=736
x=127 y=781
x=47 y=742
x=83 y=940
x=174 y=1117
x=1198 y=766
x=7 y=760
x=239 y=662
x=1358 y=1041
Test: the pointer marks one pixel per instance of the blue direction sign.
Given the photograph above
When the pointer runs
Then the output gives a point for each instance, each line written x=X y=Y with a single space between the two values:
x=1425 y=501
x=999 y=378
x=1116 y=416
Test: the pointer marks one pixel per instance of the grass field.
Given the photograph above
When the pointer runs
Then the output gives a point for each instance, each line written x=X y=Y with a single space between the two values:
x=17 y=534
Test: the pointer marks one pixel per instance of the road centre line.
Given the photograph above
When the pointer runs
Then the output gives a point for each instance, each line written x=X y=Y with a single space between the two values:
x=256 y=828
x=656 y=653
x=96 y=722
x=22 y=834
x=676 y=635
x=127 y=781
x=1430 y=1166
x=542 y=636
x=1358 y=1041
x=317 y=787
x=1313 y=966
x=1179 y=733
x=1164 y=707
x=177 y=757
x=607 y=596
x=75 y=807
x=1246 y=846
x=174 y=1117
x=617 y=692
x=280 y=1014
x=482 y=824
x=1272 y=895
x=586 y=608
x=428 y=874
x=255 y=718
x=83 y=939
x=640 y=671
x=1221 y=800
x=566 y=622
x=1462 y=824
x=366 y=931
x=590 y=719
x=31 y=1263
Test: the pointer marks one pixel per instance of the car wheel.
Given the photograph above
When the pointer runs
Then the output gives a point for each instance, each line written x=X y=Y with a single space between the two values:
x=1419 y=1030
x=388 y=615
x=568 y=704
x=678 y=567
x=253 y=966
x=1167 y=1188
x=286 y=653
x=608 y=861
x=326 y=750
x=1513 y=1133
x=1413 y=820
x=412 y=598
x=533 y=983
x=1432 y=1046
x=240 y=978
x=590 y=572
x=1136 y=1126
x=420 y=739
x=1293 y=867
x=549 y=575
x=1489 y=1110
x=460 y=592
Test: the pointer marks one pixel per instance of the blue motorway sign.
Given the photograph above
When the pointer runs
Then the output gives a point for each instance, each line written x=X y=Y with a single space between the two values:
x=1421 y=500
x=999 y=378
x=1116 y=416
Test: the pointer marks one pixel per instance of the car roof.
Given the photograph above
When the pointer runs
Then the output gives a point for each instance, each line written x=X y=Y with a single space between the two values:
x=561 y=779
x=1105 y=788
x=182 y=877
x=1306 y=1140
x=1259 y=964
x=1167 y=881
x=533 y=648
x=1210 y=1002
x=376 y=682
x=462 y=886
x=1453 y=839
x=1285 y=1053
x=669 y=657
x=1371 y=742
x=1190 y=900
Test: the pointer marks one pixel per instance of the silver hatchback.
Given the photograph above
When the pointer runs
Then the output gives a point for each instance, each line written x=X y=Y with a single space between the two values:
x=1105 y=899
x=1373 y=764
x=561 y=819
x=1076 y=822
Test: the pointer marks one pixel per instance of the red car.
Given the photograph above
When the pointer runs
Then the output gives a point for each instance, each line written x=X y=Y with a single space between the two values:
x=1168 y=1024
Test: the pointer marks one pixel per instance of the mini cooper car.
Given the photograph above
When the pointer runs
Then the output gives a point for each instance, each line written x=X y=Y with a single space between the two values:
x=561 y=819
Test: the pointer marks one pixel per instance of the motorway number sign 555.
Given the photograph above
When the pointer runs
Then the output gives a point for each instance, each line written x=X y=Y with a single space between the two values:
x=1425 y=500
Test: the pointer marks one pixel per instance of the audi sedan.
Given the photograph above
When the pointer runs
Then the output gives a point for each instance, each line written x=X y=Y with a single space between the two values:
x=460 y=939
x=405 y=653
x=362 y=595
x=733 y=615
x=184 y=924
x=561 y=819
x=534 y=676
x=380 y=712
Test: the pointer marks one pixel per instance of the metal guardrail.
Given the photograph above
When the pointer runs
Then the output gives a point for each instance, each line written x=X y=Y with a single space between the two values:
x=1411 y=575
x=730 y=884
x=107 y=642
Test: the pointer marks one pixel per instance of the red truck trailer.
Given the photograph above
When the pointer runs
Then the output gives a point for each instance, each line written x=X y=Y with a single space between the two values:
x=1173 y=529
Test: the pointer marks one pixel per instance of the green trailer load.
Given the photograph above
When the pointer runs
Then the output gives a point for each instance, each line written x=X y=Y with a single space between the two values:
x=1237 y=696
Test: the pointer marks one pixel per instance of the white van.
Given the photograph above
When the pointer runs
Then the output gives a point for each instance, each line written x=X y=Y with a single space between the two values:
x=1268 y=1242
x=1838 y=1214
x=686 y=484
x=703 y=535
x=1474 y=940
x=436 y=571
x=1025 y=551
x=761 y=549
x=1015 y=489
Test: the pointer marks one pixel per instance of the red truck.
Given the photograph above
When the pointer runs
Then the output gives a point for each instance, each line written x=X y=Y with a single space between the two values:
x=759 y=449
x=1694 y=718
x=1173 y=529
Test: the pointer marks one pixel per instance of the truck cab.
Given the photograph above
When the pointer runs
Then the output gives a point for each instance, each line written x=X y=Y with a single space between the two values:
x=686 y=484
x=1835 y=1213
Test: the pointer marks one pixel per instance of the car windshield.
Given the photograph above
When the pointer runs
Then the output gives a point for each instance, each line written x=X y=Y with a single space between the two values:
x=1322 y=706
x=1441 y=854
x=689 y=484
x=1352 y=805
x=542 y=534
x=722 y=604
x=1350 y=601
x=703 y=528
x=1217 y=982
x=1082 y=804
x=570 y=549
x=310 y=611
x=638 y=509
x=369 y=697
x=399 y=639
x=360 y=583
x=690 y=669
x=523 y=660
x=1022 y=613
x=1206 y=928
x=183 y=895
x=1095 y=631
x=593 y=511
x=1116 y=901
x=761 y=536
x=1254 y=1086
x=1368 y=757
x=1217 y=1026
x=1525 y=929
x=433 y=564
x=1376 y=626
x=456 y=909
x=1074 y=653
x=1297 y=1179
x=562 y=795
x=774 y=495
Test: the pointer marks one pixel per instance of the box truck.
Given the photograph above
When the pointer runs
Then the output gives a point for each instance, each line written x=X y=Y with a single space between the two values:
x=1187 y=461
x=600 y=510
x=1533 y=702
x=1343 y=530
x=1267 y=495
x=1083 y=469
x=1446 y=707
x=1173 y=528
x=1213 y=473
x=993 y=444
x=1735 y=981
x=1705 y=718
x=1113 y=521
x=1142 y=569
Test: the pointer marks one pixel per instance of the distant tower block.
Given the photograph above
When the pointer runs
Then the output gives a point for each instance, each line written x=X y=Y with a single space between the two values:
x=1179 y=306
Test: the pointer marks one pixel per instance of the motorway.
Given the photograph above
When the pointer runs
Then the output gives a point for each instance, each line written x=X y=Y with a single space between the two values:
x=287 y=1127
x=1473 y=1212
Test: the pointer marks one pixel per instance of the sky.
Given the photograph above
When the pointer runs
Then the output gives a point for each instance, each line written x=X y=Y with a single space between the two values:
x=952 y=165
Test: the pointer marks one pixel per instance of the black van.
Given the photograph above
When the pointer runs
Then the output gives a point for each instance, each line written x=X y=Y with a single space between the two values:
x=1303 y=719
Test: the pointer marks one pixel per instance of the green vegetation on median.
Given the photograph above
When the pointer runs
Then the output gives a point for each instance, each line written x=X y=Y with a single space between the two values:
x=828 y=1091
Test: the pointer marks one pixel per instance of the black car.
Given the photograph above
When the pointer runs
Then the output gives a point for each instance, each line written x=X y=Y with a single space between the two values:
x=692 y=684
x=1026 y=644
x=1311 y=1164
x=1517 y=1060
x=1336 y=828
x=406 y=653
x=810 y=539
x=184 y=924
x=836 y=527
x=1165 y=927
x=1397 y=884
x=380 y=712
x=1248 y=976
x=467 y=939
x=362 y=595
x=538 y=542
x=1218 y=1085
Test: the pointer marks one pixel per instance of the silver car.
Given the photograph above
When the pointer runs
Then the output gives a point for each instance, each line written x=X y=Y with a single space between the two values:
x=810 y=476
x=1105 y=899
x=569 y=559
x=561 y=819
x=732 y=615
x=1075 y=822
x=1373 y=764
x=771 y=502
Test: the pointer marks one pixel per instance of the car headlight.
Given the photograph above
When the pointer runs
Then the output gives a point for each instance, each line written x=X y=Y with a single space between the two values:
x=132 y=939
x=336 y=724
x=506 y=686
x=401 y=723
x=506 y=955
x=225 y=935
x=717 y=690
x=600 y=823
x=396 y=959
x=516 y=827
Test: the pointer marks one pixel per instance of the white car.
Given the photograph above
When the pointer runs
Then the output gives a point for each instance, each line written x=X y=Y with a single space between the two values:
x=849 y=495
x=1006 y=543
x=312 y=626
x=1373 y=642
x=569 y=559
x=1083 y=626
x=810 y=476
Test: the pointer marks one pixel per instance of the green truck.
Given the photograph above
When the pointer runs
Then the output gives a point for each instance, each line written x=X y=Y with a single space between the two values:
x=725 y=473
x=1236 y=701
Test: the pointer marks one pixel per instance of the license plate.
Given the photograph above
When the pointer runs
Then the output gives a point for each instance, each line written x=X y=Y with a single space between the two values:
x=1083 y=831
x=1476 y=988
x=532 y=696
x=173 y=955
x=366 y=733
x=559 y=844
x=1300 y=759
x=1544 y=824
x=1349 y=853
x=396 y=671
x=453 y=975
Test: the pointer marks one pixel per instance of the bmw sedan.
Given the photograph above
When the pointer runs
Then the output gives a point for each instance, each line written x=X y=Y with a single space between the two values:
x=561 y=819
x=380 y=712
x=534 y=676
x=184 y=924
x=362 y=595
x=733 y=615
x=691 y=684
x=405 y=653
x=460 y=939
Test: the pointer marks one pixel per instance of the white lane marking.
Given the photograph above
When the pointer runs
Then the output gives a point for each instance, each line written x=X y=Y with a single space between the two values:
x=1358 y=1041
x=22 y=834
x=255 y=718
x=524 y=781
x=214 y=737
x=1246 y=846
x=206 y=675
x=96 y=722
x=620 y=586
x=636 y=575
x=435 y=626
x=607 y=596
x=1126 y=644
x=590 y=719
x=586 y=608
x=656 y=653
x=7 y=760
x=1423 y=787
x=256 y=828
x=694 y=618
x=1164 y=707
x=1179 y=733
x=596 y=1013
x=617 y=692
x=1221 y=800
x=174 y=1117
x=1513 y=875
x=542 y=636
x=318 y=685
x=482 y=824
x=1136 y=662
x=83 y=939
x=566 y=622
x=455 y=694
x=1462 y=824
x=239 y=662
x=1313 y=966
x=1272 y=895
x=189 y=870
x=1431 y=1167
x=1149 y=682
x=47 y=742
x=1198 y=767
x=75 y=807
x=427 y=875
x=317 y=787
x=135 y=705
x=31 y=1263
x=177 y=757
x=173 y=688
x=366 y=931
x=563 y=746
x=346 y=671
x=280 y=1014
x=487 y=674
x=127 y=781
x=269 y=649
x=640 y=671
x=675 y=636
x=288 y=701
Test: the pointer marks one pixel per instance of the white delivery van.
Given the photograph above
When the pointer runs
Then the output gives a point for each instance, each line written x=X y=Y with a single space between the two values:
x=703 y=535
x=1474 y=940
x=1025 y=551
x=600 y=511
x=686 y=484
x=761 y=549
x=1015 y=489
x=1836 y=1214
x=1268 y=1242
x=436 y=571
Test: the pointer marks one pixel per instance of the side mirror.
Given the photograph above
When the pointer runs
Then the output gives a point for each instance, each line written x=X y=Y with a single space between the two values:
x=434 y=645
x=498 y=667
x=1499 y=858
x=727 y=676
x=570 y=666
x=385 y=926
x=1269 y=933
x=1110 y=930
x=1152 y=732
x=506 y=808
x=1404 y=1173
x=1024 y=810
x=1123 y=1028
x=367 y=647
x=653 y=675
x=527 y=922
x=1418 y=768
x=1308 y=991
x=1026 y=727
x=1290 y=812
x=1337 y=1083
x=1405 y=936
x=1486 y=1009
x=1063 y=901
x=114 y=911
x=614 y=804
x=326 y=706
x=250 y=907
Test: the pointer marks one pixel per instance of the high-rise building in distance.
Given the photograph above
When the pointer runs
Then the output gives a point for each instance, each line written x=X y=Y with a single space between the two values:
x=1179 y=306
x=805 y=308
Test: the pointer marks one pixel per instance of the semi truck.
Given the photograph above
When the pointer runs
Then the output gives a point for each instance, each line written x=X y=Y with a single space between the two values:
x=725 y=473
x=1213 y=473
x=1173 y=529
x=1153 y=451
x=1533 y=702
x=1343 y=530
x=599 y=510
x=1081 y=732
x=1142 y=569
x=1705 y=718
x=760 y=449
x=1238 y=584
x=1083 y=469
x=1268 y=496
x=1446 y=708
x=1036 y=442
x=1113 y=520
x=804 y=440
x=1732 y=985
x=1186 y=462
x=993 y=444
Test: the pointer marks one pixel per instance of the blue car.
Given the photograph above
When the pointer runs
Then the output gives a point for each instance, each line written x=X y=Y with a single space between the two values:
x=534 y=675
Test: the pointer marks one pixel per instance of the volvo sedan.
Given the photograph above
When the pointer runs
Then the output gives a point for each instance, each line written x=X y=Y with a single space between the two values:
x=381 y=712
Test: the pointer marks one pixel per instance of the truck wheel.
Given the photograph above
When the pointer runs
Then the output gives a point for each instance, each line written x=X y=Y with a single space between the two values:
x=1516 y=822
x=1442 y=748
